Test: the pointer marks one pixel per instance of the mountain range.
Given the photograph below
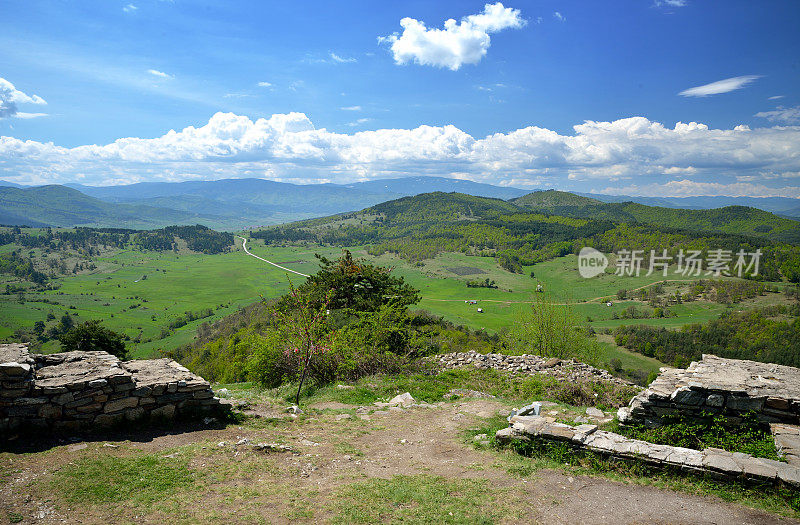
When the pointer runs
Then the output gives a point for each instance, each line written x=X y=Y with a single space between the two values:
x=232 y=204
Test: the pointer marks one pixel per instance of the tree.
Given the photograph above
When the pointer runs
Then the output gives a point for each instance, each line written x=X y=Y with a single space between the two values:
x=38 y=328
x=306 y=335
x=91 y=336
x=552 y=330
x=66 y=323
x=354 y=284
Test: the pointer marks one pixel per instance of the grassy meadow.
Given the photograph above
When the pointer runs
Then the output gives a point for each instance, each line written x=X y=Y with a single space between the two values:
x=140 y=293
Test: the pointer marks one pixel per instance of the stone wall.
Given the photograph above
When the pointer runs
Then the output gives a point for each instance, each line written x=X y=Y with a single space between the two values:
x=77 y=390
x=563 y=369
x=719 y=386
x=710 y=460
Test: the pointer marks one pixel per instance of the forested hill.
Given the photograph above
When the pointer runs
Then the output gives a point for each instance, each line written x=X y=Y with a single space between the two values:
x=55 y=205
x=740 y=220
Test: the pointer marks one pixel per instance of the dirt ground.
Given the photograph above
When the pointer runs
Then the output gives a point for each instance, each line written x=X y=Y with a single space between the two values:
x=333 y=450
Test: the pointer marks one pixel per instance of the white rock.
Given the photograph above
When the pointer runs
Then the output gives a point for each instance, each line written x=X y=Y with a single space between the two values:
x=595 y=412
x=403 y=399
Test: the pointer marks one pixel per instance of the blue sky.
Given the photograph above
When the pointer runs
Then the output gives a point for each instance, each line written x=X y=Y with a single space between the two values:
x=529 y=70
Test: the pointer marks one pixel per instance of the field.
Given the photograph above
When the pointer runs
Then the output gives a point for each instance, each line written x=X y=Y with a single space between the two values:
x=141 y=293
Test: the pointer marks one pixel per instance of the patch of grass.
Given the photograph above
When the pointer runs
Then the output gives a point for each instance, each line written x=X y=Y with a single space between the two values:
x=504 y=385
x=14 y=517
x=140 y=479
x=346 y=448
x=747 y=436
x=419 y=499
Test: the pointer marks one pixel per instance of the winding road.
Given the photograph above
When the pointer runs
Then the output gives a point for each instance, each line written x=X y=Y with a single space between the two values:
x=248 y=252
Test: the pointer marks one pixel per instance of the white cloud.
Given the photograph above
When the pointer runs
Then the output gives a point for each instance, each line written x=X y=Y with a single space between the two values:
x=10 y=97
x=635 y=150
x=23 y=115
x=459 y=43
x=237 y=95
x=160 y=74
x=688 y=188
x=558 y=16
x=130 y=8
x=351 y=108
x=720 y=86
x=670 y=3
x=264 y=84
x=781 y=115
x=776 y=97
x=359 y=122
x=342 y=60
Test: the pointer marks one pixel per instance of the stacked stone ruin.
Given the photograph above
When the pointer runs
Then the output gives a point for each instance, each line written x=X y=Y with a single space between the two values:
x=716 y=386
x=562 y=369
x=713 y=386
x=711 y=460
x=77 y=390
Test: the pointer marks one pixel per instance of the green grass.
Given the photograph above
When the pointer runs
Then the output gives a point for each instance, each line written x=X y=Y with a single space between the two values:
x=514 y=389
x=177 y=282
x=420 y=499
x=629 y=360
x=142 y=479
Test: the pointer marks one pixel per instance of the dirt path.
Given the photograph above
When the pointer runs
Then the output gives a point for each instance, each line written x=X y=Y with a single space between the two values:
x=244 y=247
x=333 y=451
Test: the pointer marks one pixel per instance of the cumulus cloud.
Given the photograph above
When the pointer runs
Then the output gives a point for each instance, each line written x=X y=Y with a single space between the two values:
x=264 y=84
x=160 y=74
x=623 y=153
x=10 y=97
x=558 y=16
x=720 y=86
x=782 y=115
x=459 y=43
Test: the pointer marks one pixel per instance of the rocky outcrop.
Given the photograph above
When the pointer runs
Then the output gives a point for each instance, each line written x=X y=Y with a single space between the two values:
x=77 y=390
x=715 y=386
x=710 y=460
x=563 y=369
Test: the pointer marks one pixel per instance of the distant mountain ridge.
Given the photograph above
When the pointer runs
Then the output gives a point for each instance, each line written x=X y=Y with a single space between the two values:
x=232 y=204
x=223 y=204
x=786 y=206
x=61 y=206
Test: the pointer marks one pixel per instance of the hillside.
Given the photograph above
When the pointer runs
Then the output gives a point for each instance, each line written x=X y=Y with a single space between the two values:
x=61 y=206
x=740 y=220
x=554 y=199
x=420 y=227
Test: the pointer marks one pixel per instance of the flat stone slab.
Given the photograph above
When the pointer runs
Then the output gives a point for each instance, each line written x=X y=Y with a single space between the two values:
x=14 y=353
x=75 y=369
x=731 y=464
x=154 y=372
x=787 y=441
x=716 y=385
